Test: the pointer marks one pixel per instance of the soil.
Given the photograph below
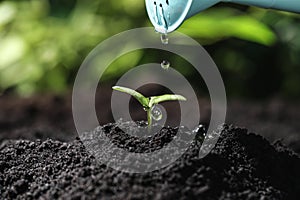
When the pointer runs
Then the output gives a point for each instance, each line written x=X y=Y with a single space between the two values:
x=241 y=166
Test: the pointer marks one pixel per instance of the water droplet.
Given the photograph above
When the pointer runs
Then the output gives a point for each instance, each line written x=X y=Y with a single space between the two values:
x=165 y=64
x=156 y=113
x=164 y=38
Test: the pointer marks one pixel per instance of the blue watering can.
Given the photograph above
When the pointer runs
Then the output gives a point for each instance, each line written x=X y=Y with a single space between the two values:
x=168 y=15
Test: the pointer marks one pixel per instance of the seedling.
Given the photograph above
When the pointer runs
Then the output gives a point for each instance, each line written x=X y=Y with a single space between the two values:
x=148 y=103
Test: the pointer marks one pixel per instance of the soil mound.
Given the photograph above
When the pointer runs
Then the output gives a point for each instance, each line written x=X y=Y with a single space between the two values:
x=241 y=166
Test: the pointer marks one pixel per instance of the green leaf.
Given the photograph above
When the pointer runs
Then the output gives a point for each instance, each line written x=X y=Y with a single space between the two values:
x=143 y=100
x=165 y=97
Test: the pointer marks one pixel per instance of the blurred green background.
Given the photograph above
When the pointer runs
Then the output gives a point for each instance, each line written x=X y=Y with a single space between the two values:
x=43 y=43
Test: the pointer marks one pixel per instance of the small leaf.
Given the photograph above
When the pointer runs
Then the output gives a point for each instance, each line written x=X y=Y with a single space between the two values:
x=166 y=97
x=143 y=100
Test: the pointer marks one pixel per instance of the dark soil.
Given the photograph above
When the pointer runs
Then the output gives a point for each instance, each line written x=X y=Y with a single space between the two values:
x=241 y=166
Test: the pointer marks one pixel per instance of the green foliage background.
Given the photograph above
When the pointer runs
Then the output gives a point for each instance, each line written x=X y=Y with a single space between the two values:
x=43 y=42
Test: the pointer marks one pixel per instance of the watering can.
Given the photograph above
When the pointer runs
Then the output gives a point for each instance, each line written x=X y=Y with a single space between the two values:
x=168 y=15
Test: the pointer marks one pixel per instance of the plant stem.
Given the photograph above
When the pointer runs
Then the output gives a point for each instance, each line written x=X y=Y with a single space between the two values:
x=149 y=118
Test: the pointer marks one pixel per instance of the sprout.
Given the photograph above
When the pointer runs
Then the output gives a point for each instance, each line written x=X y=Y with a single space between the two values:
x=149 y=102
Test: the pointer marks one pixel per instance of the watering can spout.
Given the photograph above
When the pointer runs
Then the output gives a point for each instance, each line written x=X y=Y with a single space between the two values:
x=168 y=15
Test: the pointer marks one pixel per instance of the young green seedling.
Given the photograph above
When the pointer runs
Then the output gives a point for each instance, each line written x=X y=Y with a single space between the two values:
x=149 y=102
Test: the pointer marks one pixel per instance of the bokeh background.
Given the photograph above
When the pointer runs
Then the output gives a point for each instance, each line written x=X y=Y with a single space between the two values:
x=43 y=43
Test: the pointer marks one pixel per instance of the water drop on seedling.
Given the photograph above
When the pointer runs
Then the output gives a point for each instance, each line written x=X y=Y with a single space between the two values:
x=164 y=38
x=165 y=64
x=156 y=113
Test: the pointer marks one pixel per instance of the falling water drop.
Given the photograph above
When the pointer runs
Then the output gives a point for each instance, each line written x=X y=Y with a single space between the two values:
x=156 y=113
x=164 y=38
x=165 y=64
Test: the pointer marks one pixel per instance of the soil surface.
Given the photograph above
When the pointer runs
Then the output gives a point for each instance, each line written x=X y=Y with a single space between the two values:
x=241 y=166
